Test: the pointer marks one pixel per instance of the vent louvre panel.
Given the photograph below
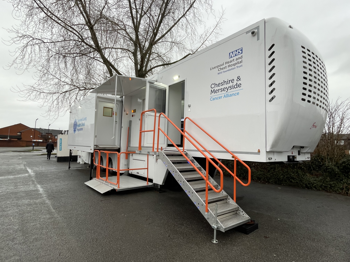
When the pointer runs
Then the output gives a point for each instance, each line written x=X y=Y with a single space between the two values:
x=271 y=47
x=317 y=79
x=270 y=55
x=271 y=62
x=271 y=74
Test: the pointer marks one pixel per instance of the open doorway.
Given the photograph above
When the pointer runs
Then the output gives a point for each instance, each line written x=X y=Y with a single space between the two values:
x=176 y=111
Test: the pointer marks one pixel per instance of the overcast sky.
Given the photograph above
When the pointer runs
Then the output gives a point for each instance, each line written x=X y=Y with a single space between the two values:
x=326 y=23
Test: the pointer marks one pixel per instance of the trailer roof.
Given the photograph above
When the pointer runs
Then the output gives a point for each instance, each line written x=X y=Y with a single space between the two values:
x=120 y=85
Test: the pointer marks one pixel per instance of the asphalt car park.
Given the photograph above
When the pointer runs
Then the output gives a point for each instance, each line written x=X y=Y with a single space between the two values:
x=48 y=214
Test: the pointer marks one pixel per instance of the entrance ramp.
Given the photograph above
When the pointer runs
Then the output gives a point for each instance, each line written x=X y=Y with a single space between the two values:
x=97 y=185
x=126 y=183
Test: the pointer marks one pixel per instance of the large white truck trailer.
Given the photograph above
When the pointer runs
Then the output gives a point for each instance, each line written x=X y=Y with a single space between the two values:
x=260 y=94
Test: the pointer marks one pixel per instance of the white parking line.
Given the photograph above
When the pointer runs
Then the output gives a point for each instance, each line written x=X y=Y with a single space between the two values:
x=42 y=192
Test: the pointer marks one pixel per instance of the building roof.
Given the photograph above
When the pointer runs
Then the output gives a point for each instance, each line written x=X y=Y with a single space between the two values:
x=26 y=129
x=54 y=132
x=43 y=131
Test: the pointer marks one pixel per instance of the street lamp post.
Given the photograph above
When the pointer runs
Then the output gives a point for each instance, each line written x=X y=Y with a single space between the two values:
x=48 y=130
x=34 y=132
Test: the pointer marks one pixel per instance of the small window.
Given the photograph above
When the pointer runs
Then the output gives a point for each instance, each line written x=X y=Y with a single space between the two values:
x=107 y=111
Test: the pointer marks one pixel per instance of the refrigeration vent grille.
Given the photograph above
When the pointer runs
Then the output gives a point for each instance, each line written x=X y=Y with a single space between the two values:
x=271 y=76
x=315 y=83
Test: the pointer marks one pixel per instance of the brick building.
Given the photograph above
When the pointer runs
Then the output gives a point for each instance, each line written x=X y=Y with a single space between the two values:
x=22 y=135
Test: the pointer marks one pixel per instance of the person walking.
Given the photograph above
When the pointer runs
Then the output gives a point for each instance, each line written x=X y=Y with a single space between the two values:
x=49 y=148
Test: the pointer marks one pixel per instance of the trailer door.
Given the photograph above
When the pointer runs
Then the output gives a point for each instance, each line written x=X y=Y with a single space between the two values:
x=156 y=98
x=176 y=110
x=107 y=123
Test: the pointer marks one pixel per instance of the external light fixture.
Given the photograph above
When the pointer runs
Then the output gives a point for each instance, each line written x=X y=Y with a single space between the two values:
x=176 y=77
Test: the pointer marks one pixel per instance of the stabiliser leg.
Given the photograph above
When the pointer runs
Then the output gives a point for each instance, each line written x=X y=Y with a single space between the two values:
x=70 y=156
x=215 y=241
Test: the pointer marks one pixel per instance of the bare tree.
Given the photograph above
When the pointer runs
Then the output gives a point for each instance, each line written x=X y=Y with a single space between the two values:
x=337 y=128
x=74 y=45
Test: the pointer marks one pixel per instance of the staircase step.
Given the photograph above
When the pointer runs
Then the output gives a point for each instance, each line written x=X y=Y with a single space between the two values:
x=213 y=196
x=198 y=185
x=172 y=153
x=223 y=207
x=189 y=176
x=182 y=167
x=177 y=159
x=232 y=220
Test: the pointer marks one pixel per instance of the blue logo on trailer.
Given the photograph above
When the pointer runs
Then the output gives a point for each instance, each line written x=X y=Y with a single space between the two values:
x=60 y=144
x=237 y=52
x=75 y=125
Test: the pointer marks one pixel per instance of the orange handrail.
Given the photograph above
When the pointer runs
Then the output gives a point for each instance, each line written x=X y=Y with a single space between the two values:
x=118 y=170
x=127 y=144
x=190 y=138
x=206 y=178
x=154 y=128
x=233 y=155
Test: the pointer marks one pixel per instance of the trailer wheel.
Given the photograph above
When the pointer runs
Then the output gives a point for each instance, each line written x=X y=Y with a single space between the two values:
x=101 y=163
x=110 y=165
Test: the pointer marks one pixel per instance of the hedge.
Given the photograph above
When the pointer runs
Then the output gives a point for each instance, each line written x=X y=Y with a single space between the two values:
x=314 y=174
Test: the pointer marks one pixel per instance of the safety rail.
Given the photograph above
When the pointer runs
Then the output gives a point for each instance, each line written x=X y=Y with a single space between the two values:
x=206 y=177
x=118 y=170
x=189 y=137
x=228 y=151
x=127 y=144
x=143 y=131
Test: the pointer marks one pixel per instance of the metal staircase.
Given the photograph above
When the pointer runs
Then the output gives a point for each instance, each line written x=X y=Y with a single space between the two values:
x=223 y=213
x=220 y=210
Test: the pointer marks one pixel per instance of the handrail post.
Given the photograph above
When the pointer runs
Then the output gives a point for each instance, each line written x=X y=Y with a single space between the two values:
x=127 y=145
x=154 y=129
x=99 y=164
x=147 y=168
x=107 y=157
x=158 y=133
x=140 y=132
x=91 y=164
x=183 y=137
x=118 y=169
x=93 y=161
x=206 y=185
x=234 y=180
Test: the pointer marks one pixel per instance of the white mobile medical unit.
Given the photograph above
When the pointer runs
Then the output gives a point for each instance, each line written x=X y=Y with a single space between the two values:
x=260 y=94
x=63 y=153
x=95 y=123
